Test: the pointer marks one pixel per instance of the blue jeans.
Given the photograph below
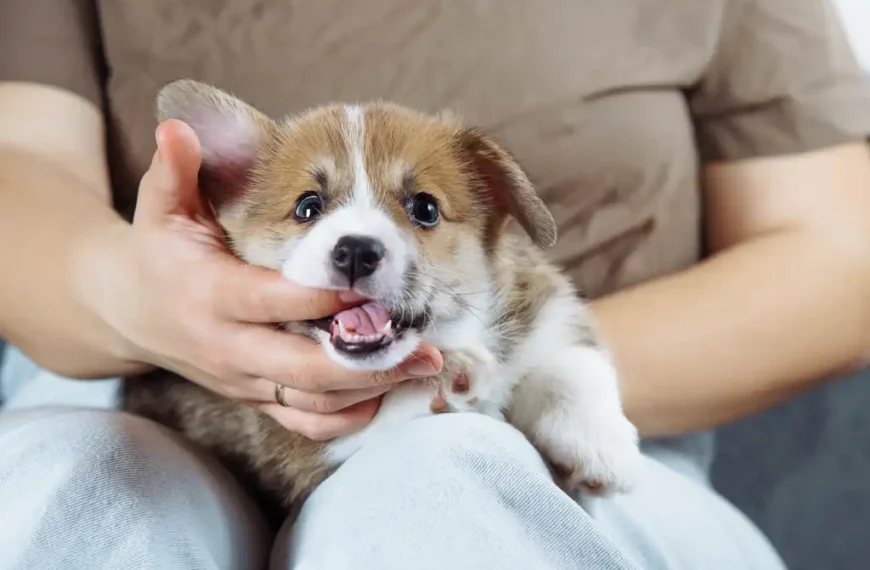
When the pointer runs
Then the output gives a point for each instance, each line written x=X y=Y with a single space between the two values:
x=96 y=489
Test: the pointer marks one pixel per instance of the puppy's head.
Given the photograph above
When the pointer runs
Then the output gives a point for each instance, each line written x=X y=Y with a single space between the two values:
x=401 y=207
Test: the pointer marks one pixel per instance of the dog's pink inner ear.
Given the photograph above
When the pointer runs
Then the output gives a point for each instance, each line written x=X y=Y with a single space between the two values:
x=226 y=139
x=230 y=145
x=230 y=132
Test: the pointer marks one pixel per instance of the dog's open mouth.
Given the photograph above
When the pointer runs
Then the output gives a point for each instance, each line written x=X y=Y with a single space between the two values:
x=366 y=329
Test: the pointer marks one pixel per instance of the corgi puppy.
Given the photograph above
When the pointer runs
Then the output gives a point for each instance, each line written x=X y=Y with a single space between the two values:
x=411 y=211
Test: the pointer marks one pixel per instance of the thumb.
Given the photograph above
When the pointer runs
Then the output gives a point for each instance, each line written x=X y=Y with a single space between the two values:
x=171 y=183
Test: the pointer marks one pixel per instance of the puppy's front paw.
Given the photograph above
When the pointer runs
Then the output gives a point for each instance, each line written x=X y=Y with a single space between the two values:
x=596 y=455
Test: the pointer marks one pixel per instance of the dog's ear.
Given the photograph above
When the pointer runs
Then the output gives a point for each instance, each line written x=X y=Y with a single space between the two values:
x=231 y=134
x=509 y=190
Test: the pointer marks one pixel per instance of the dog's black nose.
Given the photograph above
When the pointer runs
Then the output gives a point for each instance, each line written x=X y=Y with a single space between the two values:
x=356 y=257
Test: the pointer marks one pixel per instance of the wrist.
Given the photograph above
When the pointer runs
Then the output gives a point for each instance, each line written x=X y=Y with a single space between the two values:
x=101 y=276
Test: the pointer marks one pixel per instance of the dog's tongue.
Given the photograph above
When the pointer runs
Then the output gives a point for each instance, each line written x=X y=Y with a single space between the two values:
x=368 y=319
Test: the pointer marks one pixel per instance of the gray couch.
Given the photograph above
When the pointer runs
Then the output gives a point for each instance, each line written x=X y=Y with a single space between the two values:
x=802 y=472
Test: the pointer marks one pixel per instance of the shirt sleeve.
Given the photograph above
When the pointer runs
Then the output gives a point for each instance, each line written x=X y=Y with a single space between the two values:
x=52 y=42
x=784 y=79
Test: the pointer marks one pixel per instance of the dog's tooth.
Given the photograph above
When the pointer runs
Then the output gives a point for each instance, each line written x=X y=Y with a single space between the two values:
x=387 y=326
x=341 y=329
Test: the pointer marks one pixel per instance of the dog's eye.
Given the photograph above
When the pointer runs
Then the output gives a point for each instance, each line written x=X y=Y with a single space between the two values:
x=423 y=210
x=308 y=207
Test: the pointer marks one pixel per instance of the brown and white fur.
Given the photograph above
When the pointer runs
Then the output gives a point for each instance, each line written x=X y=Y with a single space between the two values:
x=519 y=344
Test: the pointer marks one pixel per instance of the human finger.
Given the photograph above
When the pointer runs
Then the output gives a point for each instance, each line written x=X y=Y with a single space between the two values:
x=253 y=294
x=171 y=183
x=325 y=402
x=301 y=363
x=321 y=427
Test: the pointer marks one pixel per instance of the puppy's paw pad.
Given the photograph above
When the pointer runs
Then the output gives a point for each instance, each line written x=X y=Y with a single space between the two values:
x=439 y=404
x=461 y=384
x=595 y=487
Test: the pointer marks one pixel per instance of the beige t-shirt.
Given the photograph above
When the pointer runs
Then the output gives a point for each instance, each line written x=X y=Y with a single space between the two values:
x=611 y=105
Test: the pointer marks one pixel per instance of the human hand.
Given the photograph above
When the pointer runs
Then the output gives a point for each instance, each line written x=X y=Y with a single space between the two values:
x=173 y=289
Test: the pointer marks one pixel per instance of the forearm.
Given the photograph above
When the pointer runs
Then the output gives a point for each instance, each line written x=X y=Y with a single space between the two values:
x=48 y=218
x=739 y=333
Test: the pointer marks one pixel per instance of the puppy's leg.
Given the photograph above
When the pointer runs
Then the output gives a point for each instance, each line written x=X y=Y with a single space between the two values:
x=570 y=408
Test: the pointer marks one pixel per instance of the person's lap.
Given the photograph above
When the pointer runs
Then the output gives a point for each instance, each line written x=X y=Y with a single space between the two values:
x=88 y=489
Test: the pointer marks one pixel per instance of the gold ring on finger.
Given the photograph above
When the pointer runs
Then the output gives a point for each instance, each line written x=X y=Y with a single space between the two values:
x=279 y=396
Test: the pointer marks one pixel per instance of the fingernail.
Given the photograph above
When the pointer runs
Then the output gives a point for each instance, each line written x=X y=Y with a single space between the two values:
x=158 y=153
x=350 y=296
x=418 y=367
x=158 y=135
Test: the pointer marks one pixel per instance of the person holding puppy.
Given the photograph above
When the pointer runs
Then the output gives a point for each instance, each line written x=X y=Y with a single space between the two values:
x=708 y=169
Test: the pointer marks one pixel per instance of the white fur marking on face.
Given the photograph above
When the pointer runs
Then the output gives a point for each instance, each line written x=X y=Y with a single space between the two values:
x=308 y=260
x=362 y=187
x=309 y=263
